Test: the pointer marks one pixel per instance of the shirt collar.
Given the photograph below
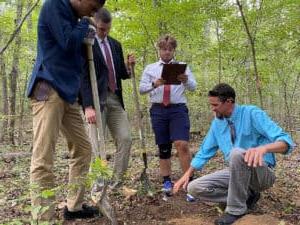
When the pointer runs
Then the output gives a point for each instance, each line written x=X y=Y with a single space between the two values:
x=101 y=40
x=234 y=113
x=223 y=123
x=162 y=62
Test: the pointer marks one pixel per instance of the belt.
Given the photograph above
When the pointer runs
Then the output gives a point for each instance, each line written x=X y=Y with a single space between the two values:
x=168 y=106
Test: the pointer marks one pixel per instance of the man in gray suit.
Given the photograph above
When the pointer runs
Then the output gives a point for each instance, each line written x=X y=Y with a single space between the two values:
x=110 y=70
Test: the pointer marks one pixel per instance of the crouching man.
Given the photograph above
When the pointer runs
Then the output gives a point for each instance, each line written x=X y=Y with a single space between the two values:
x=248 y=139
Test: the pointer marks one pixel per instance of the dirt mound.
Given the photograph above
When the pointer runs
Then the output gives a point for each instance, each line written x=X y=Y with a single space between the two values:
x=190 y=221
x=259 y=220
x=246 y=220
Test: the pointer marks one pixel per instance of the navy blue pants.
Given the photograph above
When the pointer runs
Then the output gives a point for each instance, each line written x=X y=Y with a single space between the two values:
x=170 y=123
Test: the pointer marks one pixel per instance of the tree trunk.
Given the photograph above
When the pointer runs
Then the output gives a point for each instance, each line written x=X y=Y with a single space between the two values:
x=253 y=51
x=249 y=81
x=14 y=75
x=206 y=63
x=22 y=90
x=287 y=120
x=18 y=27
x=162 y=29
x=4 y=100
x=219 y=51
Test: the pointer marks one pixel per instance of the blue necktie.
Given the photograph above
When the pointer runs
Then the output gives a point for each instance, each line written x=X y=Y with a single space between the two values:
x=232 y=131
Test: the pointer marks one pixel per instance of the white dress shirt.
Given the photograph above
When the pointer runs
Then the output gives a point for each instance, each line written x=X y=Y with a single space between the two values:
x=153 y=72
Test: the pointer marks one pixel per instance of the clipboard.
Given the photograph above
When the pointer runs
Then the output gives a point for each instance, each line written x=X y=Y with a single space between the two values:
x=171 y=71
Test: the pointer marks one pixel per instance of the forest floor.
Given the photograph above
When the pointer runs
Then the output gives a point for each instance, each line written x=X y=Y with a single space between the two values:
x=278 y=205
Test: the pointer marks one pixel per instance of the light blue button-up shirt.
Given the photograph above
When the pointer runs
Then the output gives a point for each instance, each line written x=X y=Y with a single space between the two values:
x=153 y=72
x=253 y=128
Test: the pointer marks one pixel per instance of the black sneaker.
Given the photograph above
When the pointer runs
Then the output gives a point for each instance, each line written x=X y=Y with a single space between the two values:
x=227 y=219
x=252 y=199
x=86 y=212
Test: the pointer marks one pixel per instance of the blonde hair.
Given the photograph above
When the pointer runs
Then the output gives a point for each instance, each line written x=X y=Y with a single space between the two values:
x=167 y=40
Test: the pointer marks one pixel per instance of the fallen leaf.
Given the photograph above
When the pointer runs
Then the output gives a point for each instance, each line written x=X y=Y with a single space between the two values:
x=2 y=174
x=128 y=192
x=297 y=202
x=61 y=205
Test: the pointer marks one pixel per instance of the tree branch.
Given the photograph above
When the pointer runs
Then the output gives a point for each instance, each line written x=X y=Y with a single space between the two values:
x=252 y=45
x=14 y=34
x=255 y=28
x=149 y=36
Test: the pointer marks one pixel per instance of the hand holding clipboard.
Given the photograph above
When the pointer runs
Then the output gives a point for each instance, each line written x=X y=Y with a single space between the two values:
x=174 y=74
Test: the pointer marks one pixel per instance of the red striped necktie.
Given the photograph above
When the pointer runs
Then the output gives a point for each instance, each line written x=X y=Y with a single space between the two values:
x=167 y=94
x=111 y=78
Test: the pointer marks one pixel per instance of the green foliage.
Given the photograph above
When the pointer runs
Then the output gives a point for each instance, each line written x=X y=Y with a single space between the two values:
x=47 y=193
x=37 y=210
x=211 y=39
x=98 y=170
x=14 y=222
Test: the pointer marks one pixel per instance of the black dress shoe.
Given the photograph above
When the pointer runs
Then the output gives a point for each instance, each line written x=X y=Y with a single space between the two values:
x=252 y=199
x=86 y=212
x=227 y=219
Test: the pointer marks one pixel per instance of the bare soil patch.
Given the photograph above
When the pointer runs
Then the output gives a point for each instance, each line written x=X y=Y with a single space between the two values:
x=278 y=205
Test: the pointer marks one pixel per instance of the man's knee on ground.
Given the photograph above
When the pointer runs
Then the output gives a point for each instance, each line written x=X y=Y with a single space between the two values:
x=197 y=189
x=165 y=151
x=191 y=188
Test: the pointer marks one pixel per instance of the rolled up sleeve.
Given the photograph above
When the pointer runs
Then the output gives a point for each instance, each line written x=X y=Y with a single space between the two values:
x=271 y=130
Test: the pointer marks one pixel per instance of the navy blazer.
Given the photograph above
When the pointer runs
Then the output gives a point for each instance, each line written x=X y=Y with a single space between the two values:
x=60 y=57
x=102 y=74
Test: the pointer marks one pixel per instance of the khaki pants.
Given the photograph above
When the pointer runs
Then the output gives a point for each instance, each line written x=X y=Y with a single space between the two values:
x=116 y=119
x=50 y=117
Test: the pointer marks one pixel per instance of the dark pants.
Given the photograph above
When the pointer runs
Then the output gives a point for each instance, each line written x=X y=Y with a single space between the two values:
x=170 y=123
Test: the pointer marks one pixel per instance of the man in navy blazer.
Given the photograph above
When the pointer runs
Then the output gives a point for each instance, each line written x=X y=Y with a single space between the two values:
x=53 y=89
x=110 y=70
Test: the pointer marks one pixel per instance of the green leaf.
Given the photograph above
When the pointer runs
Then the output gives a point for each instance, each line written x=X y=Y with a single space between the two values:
x=47 y=193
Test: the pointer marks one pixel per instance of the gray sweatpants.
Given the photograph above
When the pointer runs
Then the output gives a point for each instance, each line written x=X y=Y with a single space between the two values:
x=231 y=185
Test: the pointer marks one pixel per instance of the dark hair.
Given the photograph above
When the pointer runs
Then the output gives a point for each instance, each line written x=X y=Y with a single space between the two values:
x=103 y=15
x=167 y=40
x=223 y=92
x=102 y=2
